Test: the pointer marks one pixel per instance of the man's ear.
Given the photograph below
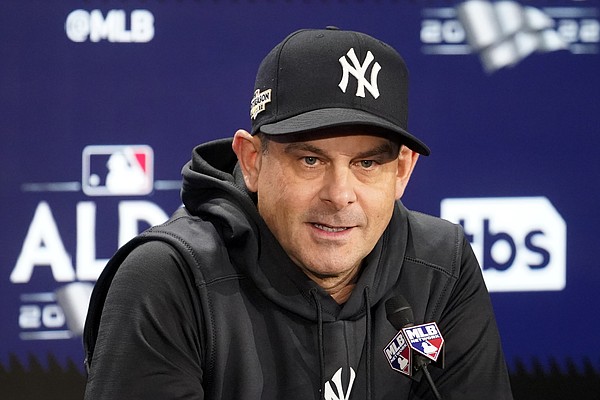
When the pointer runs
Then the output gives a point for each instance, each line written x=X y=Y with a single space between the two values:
x=249 y=151
x=407 y=159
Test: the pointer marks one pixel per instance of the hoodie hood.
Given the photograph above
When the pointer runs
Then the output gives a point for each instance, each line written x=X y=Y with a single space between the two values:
x=214 y=189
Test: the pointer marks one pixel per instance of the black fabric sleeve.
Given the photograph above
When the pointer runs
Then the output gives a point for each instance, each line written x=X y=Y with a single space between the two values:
x=149 y=338
x=475 y=367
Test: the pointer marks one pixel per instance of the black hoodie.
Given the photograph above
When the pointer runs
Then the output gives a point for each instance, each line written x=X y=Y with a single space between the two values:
x=209 y=306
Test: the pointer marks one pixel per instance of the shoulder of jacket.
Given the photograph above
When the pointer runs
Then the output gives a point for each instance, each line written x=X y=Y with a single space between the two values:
x=435 y=242
x=194 y=238
x=186 y=231
x=197 y=240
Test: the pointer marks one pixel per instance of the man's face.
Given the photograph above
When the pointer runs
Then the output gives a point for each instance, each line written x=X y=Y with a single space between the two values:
x=328 y=200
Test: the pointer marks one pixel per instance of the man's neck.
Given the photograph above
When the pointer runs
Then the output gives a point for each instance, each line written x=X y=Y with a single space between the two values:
x=342 y=295
x=339 y=288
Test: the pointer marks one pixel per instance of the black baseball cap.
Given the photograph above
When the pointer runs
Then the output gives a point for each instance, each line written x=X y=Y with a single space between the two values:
x=324 y=78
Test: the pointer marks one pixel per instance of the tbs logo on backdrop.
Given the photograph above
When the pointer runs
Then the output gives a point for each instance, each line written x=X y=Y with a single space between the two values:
x=117 y=170
x=520 y=242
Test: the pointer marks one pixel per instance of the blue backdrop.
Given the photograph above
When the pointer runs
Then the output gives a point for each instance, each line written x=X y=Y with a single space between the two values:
x=507 y=97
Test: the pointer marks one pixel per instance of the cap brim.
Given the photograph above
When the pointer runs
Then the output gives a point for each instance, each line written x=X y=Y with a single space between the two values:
x=332 y=117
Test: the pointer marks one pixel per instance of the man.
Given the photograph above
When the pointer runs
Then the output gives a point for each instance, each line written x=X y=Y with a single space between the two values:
x=272 y=281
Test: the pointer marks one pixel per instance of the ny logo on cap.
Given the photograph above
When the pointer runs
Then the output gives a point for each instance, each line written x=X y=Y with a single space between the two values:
x=359 y=71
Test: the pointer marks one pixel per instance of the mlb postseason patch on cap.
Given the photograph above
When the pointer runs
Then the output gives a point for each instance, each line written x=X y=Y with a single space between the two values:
x=316 y=79
x=259 y=102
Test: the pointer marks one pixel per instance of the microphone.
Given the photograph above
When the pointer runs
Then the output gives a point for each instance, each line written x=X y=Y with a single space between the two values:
x=414 y=347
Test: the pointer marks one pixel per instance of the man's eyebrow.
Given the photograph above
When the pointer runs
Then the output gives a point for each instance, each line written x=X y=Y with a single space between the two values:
x=382 y=149
x=301 y=146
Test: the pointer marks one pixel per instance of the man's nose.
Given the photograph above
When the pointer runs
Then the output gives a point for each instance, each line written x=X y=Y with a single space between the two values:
x=338 y=187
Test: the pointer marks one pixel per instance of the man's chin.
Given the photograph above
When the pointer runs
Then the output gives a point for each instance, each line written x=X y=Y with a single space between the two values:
x=323 y=270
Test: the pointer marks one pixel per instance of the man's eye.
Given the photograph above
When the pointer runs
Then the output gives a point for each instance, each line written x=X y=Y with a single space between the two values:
x=310 y=160
x=367 y=163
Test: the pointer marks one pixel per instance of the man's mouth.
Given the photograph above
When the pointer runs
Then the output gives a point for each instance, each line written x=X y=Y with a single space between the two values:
x=330 y=229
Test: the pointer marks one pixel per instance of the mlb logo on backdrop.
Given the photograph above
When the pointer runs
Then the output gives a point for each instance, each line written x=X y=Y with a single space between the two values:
x=520 y=242
x=117 y=170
